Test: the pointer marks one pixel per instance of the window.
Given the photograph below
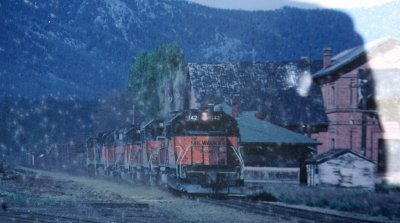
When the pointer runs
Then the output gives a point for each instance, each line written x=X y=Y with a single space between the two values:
x=332 y=143
x=333 y=96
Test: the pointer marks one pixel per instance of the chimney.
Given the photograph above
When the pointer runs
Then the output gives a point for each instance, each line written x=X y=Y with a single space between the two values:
x=261 y=114
x=305 y=63
x=327 y=57
x=236 y=106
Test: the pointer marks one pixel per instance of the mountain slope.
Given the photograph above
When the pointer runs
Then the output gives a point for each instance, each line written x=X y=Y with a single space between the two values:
x=85 y=48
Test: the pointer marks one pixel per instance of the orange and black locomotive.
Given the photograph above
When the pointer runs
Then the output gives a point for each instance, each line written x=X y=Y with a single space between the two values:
x=203 y=152
x=195 y=151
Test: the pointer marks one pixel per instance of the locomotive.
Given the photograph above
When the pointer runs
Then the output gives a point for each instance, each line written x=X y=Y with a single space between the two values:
x=203 y=152
x=196 y=152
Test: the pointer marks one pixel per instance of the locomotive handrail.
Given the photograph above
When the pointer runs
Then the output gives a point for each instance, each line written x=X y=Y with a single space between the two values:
x=180 y=164
x=150 y=162
x=135 y=157
x=151 y=157
x=240 y=154
x=179 y=169
x=237 y=152
x=177 y=160
x=160 y=138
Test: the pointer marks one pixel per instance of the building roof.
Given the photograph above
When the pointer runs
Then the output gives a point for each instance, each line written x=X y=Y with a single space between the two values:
x=273 y=85
x=223 y=107
x=253 y=130
x=331 y=154
x=348 y=56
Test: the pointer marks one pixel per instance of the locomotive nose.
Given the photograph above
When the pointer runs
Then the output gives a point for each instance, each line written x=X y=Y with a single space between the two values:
x=205 y=116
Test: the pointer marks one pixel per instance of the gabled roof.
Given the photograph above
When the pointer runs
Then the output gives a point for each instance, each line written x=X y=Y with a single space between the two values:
x=348 y=56
x=223 y=107
x=272 y=84
x=331 y=154
x=253 y=130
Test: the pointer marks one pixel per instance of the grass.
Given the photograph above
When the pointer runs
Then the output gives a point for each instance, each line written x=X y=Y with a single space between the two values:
x=37 y=200
x=385 y=201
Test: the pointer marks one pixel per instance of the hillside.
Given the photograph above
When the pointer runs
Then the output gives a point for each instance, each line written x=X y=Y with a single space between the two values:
x=85 y=48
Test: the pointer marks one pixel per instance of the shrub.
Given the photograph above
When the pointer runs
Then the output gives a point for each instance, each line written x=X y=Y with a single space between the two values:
x=322 y=202
x=262 y=196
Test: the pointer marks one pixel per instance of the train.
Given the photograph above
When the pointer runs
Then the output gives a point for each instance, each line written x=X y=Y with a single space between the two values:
x=195 y=151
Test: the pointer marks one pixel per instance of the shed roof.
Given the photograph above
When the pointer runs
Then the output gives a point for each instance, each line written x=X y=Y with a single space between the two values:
x=348 y=56
x=253 y=130
x=331 y=154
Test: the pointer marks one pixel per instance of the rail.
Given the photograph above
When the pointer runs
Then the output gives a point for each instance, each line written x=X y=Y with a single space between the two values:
x=294 y=213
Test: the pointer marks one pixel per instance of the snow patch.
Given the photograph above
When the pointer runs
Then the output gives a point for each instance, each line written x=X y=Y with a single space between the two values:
x=28 y=2
x=168 y=8
x=223 y=47
x=120 y=12
x=292 y=78
x=82 y=6
x=74 y=43
x=38 y=34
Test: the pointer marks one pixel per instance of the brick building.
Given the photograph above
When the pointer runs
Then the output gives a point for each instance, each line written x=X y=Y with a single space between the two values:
x=362 y=102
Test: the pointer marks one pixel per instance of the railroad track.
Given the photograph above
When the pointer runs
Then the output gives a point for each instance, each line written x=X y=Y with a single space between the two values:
x=273 y=209
x=31 y=217
x=288 y=213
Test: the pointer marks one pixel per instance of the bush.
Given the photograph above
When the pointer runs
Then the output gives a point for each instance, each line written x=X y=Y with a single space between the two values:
x=322 y=202
x=262 y=196
x=381 y=188
x=363 y=201
x=385 y=188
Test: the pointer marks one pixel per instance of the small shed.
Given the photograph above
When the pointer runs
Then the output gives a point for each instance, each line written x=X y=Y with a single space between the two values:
x=340 y=167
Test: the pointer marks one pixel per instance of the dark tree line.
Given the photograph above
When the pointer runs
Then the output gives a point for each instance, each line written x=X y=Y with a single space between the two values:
x=34 y=124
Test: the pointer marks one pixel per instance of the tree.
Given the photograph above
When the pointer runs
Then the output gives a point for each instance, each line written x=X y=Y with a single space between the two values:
x=158 y=82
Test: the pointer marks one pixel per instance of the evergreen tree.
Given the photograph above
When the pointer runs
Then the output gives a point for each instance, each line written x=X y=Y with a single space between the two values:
x=158 y=81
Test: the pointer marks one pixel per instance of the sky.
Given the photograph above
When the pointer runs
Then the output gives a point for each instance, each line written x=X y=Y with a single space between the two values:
x=361 y=22
x=274 y=4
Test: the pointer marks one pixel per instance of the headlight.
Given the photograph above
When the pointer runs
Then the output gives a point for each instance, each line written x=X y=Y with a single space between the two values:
x=205 y=116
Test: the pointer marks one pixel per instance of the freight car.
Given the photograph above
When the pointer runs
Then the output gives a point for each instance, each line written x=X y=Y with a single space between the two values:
x=67 y=157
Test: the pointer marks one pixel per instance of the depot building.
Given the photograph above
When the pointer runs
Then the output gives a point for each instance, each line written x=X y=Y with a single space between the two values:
x=271 y=154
